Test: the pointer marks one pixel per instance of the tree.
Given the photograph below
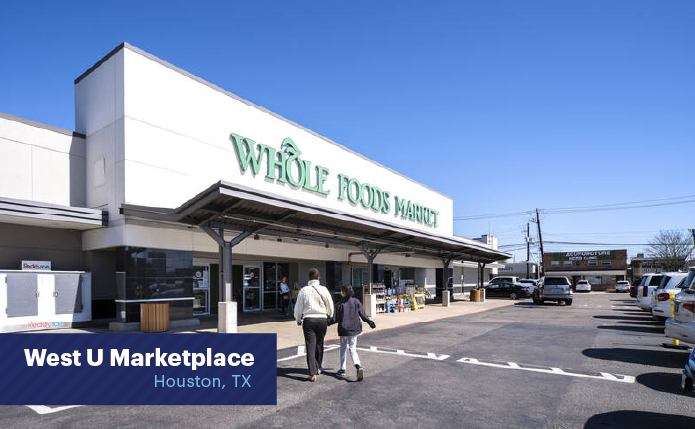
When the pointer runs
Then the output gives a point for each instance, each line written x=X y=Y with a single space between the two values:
x=672 y=247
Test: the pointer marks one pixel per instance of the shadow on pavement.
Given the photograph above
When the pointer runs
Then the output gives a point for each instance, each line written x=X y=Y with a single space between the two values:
x=638 y=419
x=629 y=317
x=661 y=381
x=301 y=374
x=663 y=358
x=298 y=374
x=644 y=329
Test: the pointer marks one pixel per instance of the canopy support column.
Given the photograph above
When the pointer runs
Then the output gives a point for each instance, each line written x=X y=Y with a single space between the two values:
x=227 y=307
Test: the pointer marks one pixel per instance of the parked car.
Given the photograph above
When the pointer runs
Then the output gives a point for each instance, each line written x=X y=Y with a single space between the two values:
x=500 y=279
x=623 y=286
x=582 y=286
x=531 y=283
x=645 y=289
x=553 y=288
x=682 y=325
x=507 y=289
x=634 y=286
x=688 y=373
x=662 y=298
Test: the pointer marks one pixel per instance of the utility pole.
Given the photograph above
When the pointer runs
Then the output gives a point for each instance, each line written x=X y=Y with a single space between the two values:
x=540 y=239
x=528 y=248
x=692 y=231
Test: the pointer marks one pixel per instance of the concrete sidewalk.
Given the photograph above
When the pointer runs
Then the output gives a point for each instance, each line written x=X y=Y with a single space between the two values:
x=290 y=335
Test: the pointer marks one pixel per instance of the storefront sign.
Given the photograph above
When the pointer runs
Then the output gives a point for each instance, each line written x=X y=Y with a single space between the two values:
x=286 y=166
x=585 y=256
x=36 y=265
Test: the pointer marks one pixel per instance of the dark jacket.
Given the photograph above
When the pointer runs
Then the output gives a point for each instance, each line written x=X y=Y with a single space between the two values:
x=347 y=315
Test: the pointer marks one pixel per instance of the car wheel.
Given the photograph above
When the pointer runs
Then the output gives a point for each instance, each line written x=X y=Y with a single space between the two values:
x=513 y=296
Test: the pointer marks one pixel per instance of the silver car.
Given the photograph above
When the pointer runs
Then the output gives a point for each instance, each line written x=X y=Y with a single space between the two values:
x=553 y=288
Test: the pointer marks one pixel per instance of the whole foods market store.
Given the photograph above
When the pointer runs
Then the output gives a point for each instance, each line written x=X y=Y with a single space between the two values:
x=225 y=207
x=211 y=199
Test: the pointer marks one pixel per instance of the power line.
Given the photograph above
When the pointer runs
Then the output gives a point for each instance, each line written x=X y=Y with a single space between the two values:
x=686 y=199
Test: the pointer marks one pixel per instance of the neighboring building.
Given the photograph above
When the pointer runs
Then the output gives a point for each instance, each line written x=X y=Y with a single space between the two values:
x=166 y=172
x=641 y=266
x=602 y=268
x=524 y=269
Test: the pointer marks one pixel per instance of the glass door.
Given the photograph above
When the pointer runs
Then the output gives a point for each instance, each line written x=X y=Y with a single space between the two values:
x=201 y=290
x=273 y=273
x=252 y=287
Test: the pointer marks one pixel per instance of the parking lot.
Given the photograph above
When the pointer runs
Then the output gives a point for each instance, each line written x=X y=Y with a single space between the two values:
x=598 y=363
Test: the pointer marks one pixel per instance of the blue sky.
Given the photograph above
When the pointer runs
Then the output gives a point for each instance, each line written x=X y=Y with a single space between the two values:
x=505 y=106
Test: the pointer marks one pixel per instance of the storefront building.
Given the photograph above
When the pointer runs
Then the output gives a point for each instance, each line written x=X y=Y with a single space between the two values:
x=166 y=173
x=602 y=268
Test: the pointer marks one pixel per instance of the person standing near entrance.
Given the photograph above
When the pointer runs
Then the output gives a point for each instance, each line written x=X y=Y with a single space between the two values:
x=312 y=310
x=347 y=315
x=285 y=296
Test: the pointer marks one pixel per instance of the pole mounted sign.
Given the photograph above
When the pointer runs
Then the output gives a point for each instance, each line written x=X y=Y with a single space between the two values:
x=285 y=166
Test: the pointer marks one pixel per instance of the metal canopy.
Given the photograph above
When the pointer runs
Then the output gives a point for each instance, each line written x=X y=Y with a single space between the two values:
x=238 y=208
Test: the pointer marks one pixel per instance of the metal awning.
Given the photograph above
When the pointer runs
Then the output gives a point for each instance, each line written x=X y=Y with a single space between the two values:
x=238 y=208
x=35 y=213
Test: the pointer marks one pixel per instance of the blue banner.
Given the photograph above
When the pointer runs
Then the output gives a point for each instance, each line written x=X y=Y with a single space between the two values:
x=138 y=369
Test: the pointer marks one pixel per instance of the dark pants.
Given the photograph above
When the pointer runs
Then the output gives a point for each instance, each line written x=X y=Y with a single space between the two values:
x=314 y=332
x=285 y=297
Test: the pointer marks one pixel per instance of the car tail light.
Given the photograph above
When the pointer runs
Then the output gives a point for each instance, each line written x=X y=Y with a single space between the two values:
x=663 y=296
x=525 y=289
x=645 y=291
x=689 y=306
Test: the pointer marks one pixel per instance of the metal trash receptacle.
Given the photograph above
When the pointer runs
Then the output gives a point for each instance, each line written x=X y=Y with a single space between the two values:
x=475 y=295
x=154 y=317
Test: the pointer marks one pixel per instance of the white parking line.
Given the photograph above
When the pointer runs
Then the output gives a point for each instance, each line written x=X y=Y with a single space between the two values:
x=551 y=370
x=42 y=409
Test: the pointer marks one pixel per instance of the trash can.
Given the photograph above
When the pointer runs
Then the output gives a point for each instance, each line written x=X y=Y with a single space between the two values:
x=475 y=295
x=154 y=317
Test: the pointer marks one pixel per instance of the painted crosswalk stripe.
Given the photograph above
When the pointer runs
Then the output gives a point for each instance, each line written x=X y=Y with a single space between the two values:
x=550 y=370
x=43 y=409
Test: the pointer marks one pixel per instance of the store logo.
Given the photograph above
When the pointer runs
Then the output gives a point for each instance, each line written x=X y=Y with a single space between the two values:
x=286 y=166
x=44 y=325
x=36 y=265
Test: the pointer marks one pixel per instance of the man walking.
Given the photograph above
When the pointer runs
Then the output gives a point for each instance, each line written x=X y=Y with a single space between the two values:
x=312 y=310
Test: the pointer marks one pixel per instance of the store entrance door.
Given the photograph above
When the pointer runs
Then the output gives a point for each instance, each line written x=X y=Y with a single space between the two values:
x=252 y=288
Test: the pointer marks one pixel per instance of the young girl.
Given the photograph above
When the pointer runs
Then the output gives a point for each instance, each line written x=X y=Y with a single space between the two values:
x=347 y=315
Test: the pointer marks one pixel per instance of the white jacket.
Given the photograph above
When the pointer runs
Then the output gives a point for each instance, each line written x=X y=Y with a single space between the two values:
x=313 y=300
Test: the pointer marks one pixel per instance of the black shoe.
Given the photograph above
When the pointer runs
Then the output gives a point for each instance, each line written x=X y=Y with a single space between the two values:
x=342 y=373
x=360 y=373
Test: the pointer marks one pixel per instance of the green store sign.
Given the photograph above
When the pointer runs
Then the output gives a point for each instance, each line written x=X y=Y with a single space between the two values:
x=284 y=165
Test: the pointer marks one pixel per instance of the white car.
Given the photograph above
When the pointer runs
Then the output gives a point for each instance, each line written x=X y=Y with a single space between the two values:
x=662 y=297
x=582 y=286
x=622 y=286
x=682 y=325
x=645 y=289
x=531 y=284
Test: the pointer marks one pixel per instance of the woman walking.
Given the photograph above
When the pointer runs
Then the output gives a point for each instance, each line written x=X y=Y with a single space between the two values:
x=313 y=309
x=348 y=313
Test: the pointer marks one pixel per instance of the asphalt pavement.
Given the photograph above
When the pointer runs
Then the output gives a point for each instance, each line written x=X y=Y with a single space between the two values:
x=596 y=364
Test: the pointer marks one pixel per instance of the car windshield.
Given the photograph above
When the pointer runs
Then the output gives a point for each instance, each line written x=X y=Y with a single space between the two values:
x=688 y=283
x=556 y=281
